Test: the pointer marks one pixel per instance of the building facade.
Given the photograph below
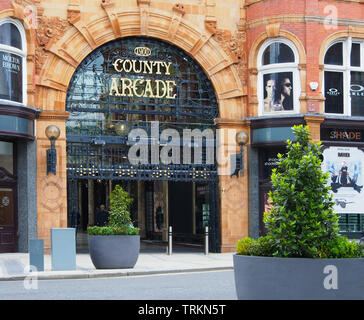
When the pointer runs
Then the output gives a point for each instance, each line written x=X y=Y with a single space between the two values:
x=150 y=94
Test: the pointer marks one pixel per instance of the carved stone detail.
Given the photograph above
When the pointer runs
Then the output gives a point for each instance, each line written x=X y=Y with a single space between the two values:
x=144 y=15
x=108 y=6
x=178 y=12
x=234 y=47
x=49 y=31
x=179 y=9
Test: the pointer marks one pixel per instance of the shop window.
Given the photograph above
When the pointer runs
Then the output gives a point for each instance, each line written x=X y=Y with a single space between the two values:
x=278 y=80
x=12 y=61
x=344 y=78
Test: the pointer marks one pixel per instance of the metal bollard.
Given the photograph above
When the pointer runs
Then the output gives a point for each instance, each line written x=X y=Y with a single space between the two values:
x=206 y=240
x=170 y=241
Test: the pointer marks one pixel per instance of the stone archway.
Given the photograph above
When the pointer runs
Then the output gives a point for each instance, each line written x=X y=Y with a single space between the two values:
x=64 y=44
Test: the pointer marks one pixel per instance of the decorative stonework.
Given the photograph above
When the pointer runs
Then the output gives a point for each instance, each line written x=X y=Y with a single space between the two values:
x=178 y=12
x=108 y=6
x=51 y=194
x=50 y=30
x=144 y=7
x=234 y=47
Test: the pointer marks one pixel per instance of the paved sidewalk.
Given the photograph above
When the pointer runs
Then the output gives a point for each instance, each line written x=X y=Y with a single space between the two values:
x=13 y=265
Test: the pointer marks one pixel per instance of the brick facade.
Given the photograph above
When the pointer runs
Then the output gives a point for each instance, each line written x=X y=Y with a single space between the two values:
x=224 y=37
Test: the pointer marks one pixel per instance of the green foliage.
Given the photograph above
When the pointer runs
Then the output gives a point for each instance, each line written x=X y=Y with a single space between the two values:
x=250 y=247
x=119 y=222
x=341 y=247
x=301 y=221
x=243 y=244
x=302 y=215
x=109 y=231
x=119 y=208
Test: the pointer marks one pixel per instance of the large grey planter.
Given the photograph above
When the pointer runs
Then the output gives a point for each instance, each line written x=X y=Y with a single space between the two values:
x=266 y=278
x=114 y=252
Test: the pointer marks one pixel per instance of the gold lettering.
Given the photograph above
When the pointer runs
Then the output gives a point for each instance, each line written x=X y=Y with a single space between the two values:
x=164 y=88
x=134 y=66
x=114 y=87
x=135 y=88
x=167 y=65
x=125 y=86
x=170 y=86
x=129 y=67
x=116 y=63
x=149 y=66
x=158 y=64
x=148 y=89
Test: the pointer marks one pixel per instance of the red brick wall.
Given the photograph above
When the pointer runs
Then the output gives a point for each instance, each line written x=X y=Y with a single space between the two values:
x=5 y=4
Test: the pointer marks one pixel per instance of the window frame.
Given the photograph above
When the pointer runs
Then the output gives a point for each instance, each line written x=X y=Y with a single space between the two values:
x=21 y=53
x=346 y=69
x=278 y=68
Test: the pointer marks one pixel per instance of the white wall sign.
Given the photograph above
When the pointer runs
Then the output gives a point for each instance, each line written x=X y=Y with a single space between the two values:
x=345 y=166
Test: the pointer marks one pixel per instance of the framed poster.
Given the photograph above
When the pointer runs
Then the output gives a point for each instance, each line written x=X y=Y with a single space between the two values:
x=278 y=92
x=345 y=166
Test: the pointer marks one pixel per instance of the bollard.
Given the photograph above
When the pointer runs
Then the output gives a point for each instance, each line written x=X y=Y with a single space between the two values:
x=206 y=240
x=170 y=241
x=63 y=253
x=36 y=253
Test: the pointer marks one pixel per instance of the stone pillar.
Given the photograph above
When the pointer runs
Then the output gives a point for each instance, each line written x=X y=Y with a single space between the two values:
x=314 y=125
x=233 y=191
x=27 y=193
x=51 y=189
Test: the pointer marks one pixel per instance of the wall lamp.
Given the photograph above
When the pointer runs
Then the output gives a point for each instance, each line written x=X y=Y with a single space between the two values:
x=52 y=132
x=241 y=139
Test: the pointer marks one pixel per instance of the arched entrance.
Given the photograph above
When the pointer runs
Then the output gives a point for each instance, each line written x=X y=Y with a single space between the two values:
x=142 y=115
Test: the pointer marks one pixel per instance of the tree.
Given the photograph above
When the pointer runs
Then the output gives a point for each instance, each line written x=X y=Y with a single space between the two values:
x=301 y=218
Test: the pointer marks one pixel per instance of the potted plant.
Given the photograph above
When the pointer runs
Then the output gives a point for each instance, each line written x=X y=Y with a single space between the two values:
x=303 y=256
x=115 y=245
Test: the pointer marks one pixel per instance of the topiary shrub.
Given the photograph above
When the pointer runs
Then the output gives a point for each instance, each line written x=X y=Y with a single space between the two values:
x=119 y=222
x=301 y=221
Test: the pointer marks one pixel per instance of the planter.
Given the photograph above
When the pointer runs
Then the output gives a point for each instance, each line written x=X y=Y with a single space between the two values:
x=114 y=252
x=266 y=278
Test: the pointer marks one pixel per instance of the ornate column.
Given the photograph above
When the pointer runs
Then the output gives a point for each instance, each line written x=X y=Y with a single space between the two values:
x=233 y=190
x=51 y=188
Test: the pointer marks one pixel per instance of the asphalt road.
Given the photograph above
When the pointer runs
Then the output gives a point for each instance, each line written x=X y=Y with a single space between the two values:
x=187 y=286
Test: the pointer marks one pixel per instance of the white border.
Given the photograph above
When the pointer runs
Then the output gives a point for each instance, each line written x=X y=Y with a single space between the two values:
x=22 y=53
x=346 y=69
x=277 y=68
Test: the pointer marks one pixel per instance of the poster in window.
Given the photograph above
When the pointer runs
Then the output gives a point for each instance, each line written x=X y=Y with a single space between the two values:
x=278 y=92
x=357 y=93
x=334 y=92
x=345 y=166
x=11 y=80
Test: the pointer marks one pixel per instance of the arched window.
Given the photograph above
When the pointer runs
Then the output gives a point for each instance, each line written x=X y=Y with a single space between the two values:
x=12 y=61
x=278 y=80
x=344 y=78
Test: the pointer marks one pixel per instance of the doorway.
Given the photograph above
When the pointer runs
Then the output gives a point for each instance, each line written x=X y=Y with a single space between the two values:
x=7 y=220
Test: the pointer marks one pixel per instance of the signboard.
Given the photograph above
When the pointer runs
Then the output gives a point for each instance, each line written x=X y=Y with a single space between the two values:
x=11 y=80
x=335 y=134
x=345 y=166
x=132 y=83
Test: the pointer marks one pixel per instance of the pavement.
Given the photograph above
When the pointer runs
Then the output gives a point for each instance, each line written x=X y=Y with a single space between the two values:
x=15 y=266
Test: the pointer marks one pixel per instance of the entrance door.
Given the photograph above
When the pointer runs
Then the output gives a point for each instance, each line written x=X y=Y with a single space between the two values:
x=7 y=220
x=180 y=207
